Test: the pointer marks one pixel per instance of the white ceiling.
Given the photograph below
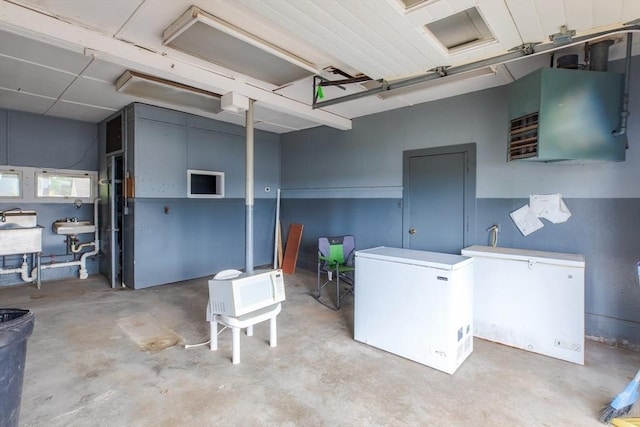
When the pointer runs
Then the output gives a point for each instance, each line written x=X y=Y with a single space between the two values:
x=62 y=57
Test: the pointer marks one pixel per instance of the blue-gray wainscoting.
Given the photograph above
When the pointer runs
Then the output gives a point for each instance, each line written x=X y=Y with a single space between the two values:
x=612 y=290
x=196 y=238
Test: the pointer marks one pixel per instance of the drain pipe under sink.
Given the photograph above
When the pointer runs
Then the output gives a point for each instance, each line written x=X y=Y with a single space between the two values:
x=82 y=263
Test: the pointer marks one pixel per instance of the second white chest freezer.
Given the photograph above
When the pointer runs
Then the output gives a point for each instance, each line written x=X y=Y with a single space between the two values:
x=533 y=300
x=416 y=304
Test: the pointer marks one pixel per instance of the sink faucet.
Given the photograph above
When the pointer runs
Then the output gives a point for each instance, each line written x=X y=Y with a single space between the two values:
x=3 y=217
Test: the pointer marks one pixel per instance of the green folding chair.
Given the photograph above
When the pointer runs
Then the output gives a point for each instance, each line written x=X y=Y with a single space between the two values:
x=335 y=258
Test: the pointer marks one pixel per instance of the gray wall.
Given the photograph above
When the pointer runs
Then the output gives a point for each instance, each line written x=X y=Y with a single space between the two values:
x=36 y=141
x=339 y=182
x=195 y=237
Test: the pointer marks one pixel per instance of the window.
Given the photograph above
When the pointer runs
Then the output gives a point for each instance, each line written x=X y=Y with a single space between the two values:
x=58 y=184
x=10 y=183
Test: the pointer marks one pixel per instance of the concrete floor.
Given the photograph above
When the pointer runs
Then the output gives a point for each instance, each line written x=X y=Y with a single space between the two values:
x=83 y=369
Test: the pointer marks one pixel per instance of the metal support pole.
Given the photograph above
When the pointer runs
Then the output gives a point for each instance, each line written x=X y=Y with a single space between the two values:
x=249 y=190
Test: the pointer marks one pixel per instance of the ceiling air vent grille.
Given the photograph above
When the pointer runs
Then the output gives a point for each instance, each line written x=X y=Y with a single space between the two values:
x=523 y=137
x=463 y=30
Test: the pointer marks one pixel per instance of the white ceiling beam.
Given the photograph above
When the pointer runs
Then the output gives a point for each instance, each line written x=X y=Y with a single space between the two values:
x=35 y=25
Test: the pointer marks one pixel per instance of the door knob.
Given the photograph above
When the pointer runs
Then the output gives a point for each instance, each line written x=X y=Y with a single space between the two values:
x=412 y=231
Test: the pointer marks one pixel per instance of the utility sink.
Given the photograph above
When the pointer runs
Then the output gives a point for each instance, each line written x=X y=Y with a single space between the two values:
x=19 y=233
x=73 y=227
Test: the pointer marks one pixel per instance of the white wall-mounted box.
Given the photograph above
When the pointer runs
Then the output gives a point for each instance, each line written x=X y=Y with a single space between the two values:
x=203 y=184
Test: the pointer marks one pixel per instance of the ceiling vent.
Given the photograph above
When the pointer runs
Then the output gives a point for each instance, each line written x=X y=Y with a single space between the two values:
x=201 y=34
x=461 y=31
x=409 y=5
x=177 y=94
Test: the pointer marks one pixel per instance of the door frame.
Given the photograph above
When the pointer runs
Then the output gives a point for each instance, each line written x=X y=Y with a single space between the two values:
x=469 y=151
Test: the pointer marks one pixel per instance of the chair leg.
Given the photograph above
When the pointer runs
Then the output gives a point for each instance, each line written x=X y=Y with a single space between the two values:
x=318 y=283
x=250 y=331
x=337 y=288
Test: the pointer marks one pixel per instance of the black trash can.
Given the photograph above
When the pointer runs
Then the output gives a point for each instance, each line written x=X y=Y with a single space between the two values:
x=16 y=326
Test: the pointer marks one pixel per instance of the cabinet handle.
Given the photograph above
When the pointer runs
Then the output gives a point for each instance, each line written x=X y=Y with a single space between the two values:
x=412 y=231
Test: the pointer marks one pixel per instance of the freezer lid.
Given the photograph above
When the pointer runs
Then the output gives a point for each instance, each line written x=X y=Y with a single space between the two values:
x=553 y=258
x=414 y=257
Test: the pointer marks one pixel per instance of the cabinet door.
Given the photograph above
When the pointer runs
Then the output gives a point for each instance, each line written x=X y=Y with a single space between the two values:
x=160 y=159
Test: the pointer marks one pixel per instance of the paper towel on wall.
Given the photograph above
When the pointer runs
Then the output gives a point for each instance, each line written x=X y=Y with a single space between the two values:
x=526 y=221
x=550 y=207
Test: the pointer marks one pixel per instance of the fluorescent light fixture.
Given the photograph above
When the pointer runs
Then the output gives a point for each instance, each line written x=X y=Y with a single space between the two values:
x=203 y=35
x=173 y=93
x=433 y=82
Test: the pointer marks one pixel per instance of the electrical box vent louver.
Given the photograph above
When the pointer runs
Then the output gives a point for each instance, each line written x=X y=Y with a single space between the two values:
x=523 y=137
x=561 y=114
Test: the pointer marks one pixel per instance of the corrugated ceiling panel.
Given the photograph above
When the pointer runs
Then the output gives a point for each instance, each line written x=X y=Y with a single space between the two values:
x=376 y=65
x=579 y=14
x=383 y=34
x=497 y=16
x=308 y=29
x=606 y=11
x=440 y=9
x=551 y=15
x=525 y=15
x=630 y=10
x=461 y=4
x=411 y=36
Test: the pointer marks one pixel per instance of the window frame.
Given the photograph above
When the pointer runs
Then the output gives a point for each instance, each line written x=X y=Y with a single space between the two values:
x=19 y=174
x=63 y=174
x=29 y=185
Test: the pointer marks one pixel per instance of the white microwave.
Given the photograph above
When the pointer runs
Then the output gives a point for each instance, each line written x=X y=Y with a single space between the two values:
x=246 y=293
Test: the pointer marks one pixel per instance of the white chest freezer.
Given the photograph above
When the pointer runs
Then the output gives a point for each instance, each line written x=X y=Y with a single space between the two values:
x=416 y=304
x=532 y=300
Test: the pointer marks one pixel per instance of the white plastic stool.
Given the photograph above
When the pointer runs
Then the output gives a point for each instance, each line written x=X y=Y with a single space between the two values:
x=245 y=321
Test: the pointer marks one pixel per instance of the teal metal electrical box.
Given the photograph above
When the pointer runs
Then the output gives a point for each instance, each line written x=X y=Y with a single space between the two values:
x=564 y=114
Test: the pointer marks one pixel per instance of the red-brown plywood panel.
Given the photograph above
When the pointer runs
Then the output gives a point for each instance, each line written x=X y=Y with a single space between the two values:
x=291 y=250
